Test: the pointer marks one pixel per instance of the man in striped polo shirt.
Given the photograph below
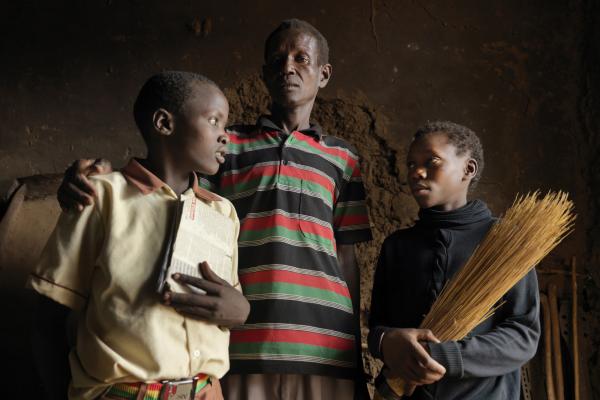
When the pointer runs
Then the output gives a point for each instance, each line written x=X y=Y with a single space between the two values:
x=300 y=199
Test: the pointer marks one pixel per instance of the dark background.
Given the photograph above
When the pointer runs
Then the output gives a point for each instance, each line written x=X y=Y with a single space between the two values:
x=524 y=75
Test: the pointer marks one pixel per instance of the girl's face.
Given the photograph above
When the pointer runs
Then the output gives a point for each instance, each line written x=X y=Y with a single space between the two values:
x=439 y=177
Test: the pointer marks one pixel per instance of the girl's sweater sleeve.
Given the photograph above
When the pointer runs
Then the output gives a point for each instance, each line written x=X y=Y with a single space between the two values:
x=509 y=345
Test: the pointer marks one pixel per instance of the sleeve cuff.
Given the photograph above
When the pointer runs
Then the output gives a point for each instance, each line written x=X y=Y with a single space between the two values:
x=448 y=354
x=375 y=339
x=60 y=294
x=353 y=236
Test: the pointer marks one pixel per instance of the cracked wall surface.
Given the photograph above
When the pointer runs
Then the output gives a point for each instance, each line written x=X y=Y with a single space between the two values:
x=521 y=74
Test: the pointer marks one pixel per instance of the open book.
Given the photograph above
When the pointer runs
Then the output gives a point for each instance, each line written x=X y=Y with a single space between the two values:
x=198 y=233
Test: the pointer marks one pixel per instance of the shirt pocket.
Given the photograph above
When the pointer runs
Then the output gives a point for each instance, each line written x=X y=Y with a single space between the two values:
x=314 y=228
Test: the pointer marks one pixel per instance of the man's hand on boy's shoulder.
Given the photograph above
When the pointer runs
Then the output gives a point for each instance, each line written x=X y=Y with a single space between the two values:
x=406 y=357
x=222 y=304
x=76 y=191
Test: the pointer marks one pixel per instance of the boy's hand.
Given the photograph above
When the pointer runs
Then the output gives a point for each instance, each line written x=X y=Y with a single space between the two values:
x=76 y=191
x=222 y=304
x=408 y=359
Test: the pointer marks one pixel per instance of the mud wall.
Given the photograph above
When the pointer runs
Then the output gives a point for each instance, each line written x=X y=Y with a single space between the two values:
x=589 y=117
x=521 y=74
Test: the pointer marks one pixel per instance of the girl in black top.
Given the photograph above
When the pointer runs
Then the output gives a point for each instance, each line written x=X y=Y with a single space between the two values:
x=444 y=160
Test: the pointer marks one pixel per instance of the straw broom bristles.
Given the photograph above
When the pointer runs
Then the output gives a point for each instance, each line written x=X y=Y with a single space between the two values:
x=529 y=230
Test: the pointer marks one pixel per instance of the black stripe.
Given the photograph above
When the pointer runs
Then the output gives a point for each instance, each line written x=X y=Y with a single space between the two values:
x=290 y=202
x=294 y=312
x=283 y=253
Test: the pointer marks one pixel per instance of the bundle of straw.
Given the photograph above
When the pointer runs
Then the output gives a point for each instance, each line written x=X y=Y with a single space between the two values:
x=529 y=230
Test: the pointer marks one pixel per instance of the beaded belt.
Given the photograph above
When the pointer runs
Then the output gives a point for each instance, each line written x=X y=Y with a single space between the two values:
x=184 y=389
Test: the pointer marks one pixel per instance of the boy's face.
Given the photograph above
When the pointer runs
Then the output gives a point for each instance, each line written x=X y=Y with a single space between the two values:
x=292 y=72
x=199 y=137
x=437 y=176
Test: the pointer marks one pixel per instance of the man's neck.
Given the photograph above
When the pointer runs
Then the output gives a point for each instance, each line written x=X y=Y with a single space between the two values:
x=292 y=119
x=175 y=178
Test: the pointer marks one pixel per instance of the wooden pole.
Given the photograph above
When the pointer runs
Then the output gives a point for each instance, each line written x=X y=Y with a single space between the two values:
x=547 y=347
x=557 y=356
x=377 y=396
x=575 y=332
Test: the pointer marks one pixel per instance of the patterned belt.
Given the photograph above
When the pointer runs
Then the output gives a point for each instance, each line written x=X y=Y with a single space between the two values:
x=184 y=389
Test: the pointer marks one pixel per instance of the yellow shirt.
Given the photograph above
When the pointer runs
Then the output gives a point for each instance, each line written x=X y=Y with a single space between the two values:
x=104 y=262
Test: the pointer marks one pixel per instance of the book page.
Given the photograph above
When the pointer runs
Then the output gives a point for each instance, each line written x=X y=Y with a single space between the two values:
x=203 y=235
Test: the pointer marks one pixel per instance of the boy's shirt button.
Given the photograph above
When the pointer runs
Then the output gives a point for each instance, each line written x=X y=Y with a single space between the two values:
x=196 y=353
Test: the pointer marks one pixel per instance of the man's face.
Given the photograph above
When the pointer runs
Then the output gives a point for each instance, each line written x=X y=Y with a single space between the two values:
x=438 y=177
x=199 y=137
x=292 y=72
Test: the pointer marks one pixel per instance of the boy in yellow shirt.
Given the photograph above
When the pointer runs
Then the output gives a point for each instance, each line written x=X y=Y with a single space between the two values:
x=133 y=343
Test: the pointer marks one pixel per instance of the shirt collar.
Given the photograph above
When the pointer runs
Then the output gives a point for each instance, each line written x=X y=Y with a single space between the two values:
x=265 y=122
x=140 y=177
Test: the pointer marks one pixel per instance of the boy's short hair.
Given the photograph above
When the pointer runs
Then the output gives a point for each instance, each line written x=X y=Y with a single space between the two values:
x=463 y=138
x=304 y=27
x=169 y=90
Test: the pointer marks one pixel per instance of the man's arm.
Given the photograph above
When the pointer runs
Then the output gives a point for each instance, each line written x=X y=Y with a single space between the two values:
x=76 y=191
x=50 y=347
x=222 y=304
x=349 y=266
x=347 y=261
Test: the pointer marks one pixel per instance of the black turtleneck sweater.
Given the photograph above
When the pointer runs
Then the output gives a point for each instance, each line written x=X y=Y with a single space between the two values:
x=414 y=264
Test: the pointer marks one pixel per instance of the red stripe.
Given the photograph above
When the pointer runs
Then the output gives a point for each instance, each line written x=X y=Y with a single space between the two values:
x=291 y=336
x=295 y=172
x=295 y=278
x=349 y=220
x=260 y=223
x=328 y=150
x=255 y=172
x=235 y=139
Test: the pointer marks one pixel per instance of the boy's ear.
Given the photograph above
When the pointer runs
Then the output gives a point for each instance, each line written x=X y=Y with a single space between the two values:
x=163 y=122
x=326 y=71
x=471 y=169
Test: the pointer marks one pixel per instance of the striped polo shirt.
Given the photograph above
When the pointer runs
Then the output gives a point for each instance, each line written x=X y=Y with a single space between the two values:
x=298 y=196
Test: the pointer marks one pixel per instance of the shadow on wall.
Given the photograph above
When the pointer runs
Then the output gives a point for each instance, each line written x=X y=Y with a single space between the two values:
x=25 y=227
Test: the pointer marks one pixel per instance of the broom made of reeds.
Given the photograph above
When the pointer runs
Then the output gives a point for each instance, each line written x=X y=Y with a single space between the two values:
x=529 y=230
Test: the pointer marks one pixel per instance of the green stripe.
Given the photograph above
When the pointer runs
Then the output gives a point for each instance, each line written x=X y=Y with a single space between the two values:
x=342 y=163
x=201 y=384
x=307 y=185
x=253 y=183
x=293 y=349
x=206 y=184
x=248 y=146
x=126 y=394
x=265 y=180
x=252 y=235
x=349 y=210
x=121 y=393
x=298 y=290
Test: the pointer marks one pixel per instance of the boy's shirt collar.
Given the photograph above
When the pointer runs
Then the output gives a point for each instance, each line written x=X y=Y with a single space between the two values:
x=144 y=180
x=265 y=122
